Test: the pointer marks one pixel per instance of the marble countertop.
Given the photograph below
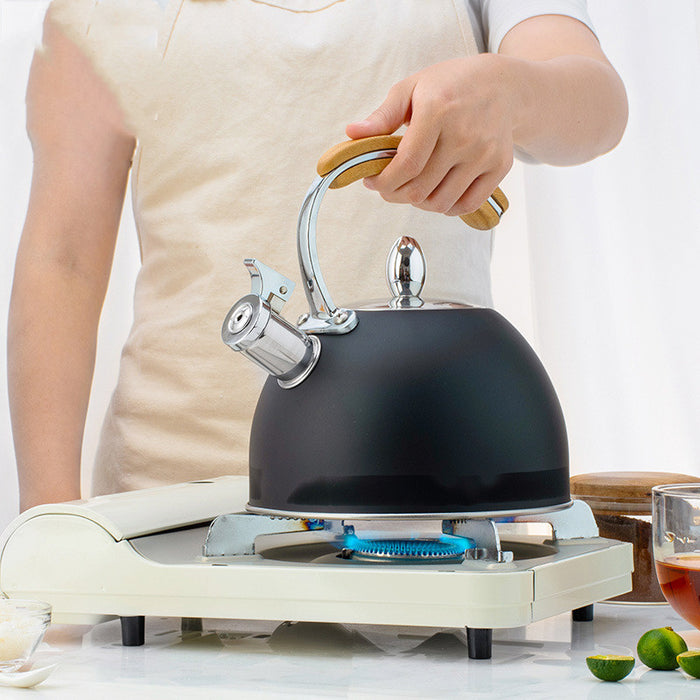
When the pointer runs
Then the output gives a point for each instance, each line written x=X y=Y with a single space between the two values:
x=232 y=659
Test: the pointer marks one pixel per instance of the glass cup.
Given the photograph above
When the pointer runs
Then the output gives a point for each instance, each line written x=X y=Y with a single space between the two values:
x=676 y=533
x=22 y=627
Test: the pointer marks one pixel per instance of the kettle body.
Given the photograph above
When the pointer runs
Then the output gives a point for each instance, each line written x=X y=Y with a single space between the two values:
x=459 y=418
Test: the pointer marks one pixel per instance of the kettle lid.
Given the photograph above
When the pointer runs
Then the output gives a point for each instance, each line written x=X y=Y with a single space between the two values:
x=405 y=274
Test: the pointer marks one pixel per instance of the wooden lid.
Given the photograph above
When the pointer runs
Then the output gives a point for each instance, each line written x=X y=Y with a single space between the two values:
x=623 y=492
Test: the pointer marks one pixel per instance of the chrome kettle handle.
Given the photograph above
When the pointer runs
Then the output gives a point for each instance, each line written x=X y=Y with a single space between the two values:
x=324 y=316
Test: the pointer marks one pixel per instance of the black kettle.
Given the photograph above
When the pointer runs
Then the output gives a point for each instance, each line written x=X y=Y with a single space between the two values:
x=412 y=409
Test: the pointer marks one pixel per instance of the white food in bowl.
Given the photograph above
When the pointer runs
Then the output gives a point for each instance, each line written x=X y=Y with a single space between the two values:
x=22 y=627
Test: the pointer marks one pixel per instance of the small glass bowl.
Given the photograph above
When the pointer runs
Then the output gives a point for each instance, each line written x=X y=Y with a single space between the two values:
x=22 y=627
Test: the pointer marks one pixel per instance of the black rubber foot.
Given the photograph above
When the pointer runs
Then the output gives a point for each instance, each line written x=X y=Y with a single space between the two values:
x=191 y=624
x=584 y=614
x=133 y=631
x=479 y=643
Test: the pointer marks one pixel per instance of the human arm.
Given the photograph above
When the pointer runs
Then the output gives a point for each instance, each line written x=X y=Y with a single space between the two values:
x=82 y=154
x=549 y=91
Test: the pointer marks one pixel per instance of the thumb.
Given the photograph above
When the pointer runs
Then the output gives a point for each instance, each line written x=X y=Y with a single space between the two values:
x=389 y=116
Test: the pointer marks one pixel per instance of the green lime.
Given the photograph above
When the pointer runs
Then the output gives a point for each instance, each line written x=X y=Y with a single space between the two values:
x=608 y=667
x=658 y=648
x=689 y=661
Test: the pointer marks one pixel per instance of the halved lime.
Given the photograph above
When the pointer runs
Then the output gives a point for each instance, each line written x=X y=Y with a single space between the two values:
x=689 y=661
x=658 y=648
x=609 y=667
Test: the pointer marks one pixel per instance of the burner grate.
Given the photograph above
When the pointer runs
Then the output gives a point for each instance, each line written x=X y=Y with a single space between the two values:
x=407 y=549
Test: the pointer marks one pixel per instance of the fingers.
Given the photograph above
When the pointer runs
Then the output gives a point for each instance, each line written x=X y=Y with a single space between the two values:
x=473 y=197
x=416 y=161
x=468 y=185
x=389 y=116
x=460 y=191
x=434 y=179
x=441 y=169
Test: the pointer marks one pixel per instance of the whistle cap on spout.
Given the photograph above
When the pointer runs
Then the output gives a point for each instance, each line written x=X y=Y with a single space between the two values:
x=264 y=337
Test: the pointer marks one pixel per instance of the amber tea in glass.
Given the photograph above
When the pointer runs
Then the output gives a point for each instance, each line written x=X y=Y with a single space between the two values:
x=676 y=536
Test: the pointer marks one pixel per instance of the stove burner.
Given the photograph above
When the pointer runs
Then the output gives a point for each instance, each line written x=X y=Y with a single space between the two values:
x=444 y=548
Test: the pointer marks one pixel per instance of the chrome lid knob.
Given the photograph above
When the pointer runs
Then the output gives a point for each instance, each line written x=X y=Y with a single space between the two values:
x=405 y=273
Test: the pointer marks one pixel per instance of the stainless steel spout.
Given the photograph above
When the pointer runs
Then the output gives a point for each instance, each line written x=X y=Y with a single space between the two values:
x=254 y=327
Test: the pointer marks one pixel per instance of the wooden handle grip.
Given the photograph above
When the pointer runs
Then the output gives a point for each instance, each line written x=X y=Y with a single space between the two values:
x=484 y=218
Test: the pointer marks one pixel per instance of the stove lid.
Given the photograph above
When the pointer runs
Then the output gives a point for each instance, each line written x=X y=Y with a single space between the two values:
x=147 y=511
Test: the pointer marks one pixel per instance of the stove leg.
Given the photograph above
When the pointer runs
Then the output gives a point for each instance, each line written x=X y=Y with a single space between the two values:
x=479 y=643
x=191 y=624
x=133 y=631
x=584 y=614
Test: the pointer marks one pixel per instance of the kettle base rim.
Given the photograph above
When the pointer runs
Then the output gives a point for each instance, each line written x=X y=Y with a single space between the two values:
x=462 y=515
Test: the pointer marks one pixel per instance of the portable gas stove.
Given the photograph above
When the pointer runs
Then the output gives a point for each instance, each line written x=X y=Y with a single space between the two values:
x=191 y=551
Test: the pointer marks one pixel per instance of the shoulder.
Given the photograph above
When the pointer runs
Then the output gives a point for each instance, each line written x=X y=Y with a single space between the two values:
x=64 y=86
x=493 y=19
x=122 y=43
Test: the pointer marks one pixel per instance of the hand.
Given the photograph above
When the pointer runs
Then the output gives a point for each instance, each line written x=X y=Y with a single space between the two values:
x=550 y=90
x=459 y=142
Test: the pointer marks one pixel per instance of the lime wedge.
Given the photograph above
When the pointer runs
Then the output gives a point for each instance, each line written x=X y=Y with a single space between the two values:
x=609 y=667
x=689 y=661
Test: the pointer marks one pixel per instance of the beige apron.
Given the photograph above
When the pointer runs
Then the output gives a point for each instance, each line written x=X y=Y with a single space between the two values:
x=233 y=101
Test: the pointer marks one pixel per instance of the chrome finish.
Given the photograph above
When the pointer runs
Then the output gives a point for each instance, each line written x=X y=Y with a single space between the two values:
x=305 y=365
x=324 y=316
x=241 y=318
x=269 y=284
x=234 y=533
x=339 y=322
x=392 y=528
x=496 y=207
x=405 y=273
x=427 y=305
x=240 y=533
x=484 y=533
x=254 y=327
x=237 y=534
x=264 y=337
x=245 y=323
x=577 y=521
x=408 y=516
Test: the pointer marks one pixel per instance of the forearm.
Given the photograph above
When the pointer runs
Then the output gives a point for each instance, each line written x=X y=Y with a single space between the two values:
x=549 y=91
x=51 y=349
x=566 y=110
x=61 y=276
x=82 y=156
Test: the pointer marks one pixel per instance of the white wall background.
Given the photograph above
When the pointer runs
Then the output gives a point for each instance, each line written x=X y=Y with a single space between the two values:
x=599 y=270
x=615 y=252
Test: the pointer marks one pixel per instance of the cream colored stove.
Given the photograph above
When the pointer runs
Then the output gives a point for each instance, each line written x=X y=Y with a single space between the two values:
x=191 y=551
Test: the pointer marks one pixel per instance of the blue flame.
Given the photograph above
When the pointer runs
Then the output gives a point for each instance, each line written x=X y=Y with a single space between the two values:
x=446 y=546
